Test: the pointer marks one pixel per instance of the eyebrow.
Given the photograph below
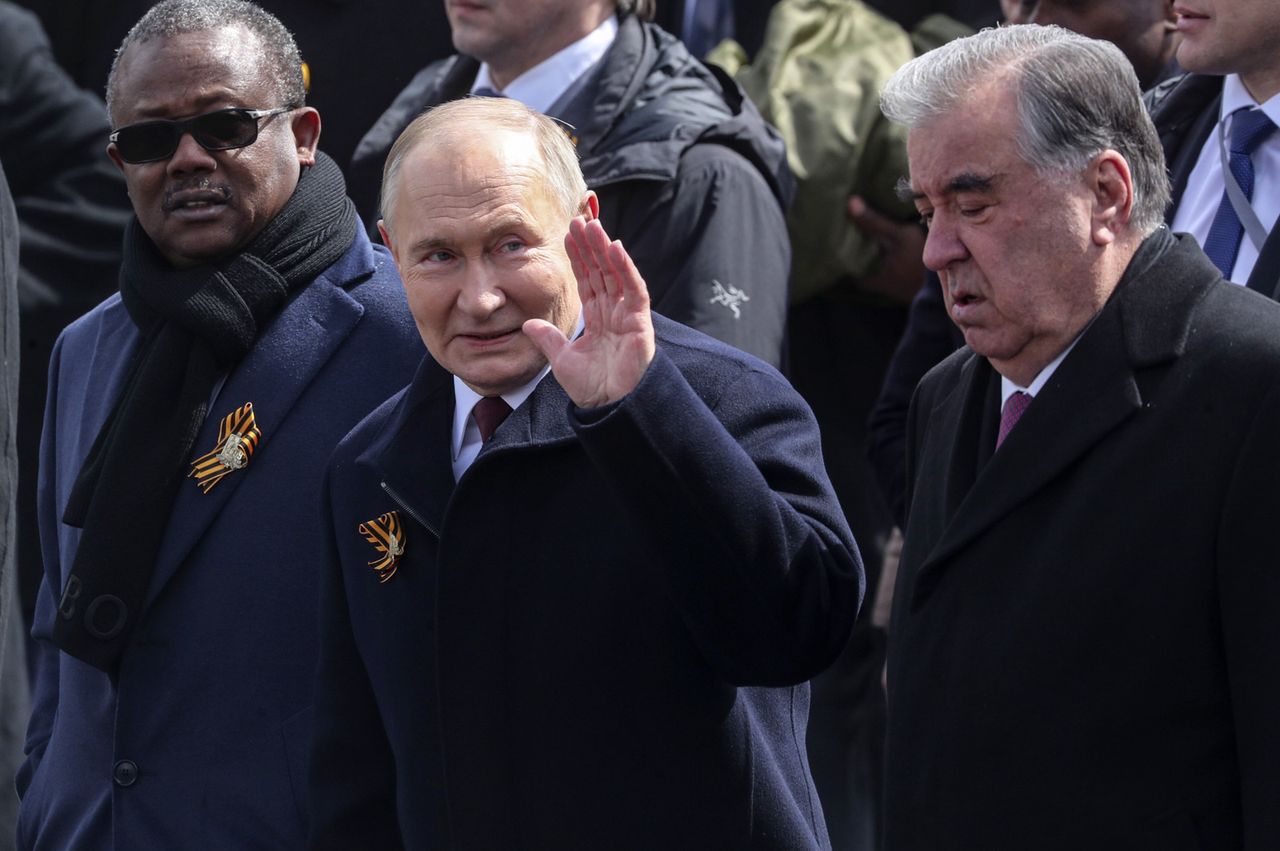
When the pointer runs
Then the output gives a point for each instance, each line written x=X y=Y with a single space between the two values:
x=505 y=225
x=429 y=244
x=205 y=103
x=964 y=182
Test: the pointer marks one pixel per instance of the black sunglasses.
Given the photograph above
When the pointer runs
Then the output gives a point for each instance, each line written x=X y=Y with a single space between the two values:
x=220 y=130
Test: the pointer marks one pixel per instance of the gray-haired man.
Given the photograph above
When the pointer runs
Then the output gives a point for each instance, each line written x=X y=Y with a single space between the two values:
x=1083 y=643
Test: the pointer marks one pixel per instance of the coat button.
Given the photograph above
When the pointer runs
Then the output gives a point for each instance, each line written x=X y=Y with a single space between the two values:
x=125 y=772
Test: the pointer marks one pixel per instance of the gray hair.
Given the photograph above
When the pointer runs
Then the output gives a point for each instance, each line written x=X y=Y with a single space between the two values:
x=452 y=120
x=281 y=63
x=1076 y=97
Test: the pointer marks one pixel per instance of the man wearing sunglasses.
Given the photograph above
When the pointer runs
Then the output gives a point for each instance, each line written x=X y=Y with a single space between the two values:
x=188 y=423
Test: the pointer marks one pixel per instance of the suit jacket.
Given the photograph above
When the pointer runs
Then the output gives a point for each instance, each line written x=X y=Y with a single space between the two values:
x=1185 y=112
x=600 y=636
x=201 y=739
x=1083 y=647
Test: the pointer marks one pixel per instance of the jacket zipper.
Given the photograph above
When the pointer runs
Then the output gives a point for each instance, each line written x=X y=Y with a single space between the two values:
x=395 y=497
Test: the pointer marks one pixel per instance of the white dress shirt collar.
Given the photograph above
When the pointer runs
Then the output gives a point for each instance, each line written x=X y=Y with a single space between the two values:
x=543 y=84
x=465 y=443
x=1008 y=388
x=1235 y=96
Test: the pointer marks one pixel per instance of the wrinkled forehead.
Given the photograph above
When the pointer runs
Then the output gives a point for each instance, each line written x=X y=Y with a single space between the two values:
x=198 y=68
x=466 y=175
x=958 y=149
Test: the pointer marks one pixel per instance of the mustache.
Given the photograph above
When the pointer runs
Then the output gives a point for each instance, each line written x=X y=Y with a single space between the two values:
x=201 y=188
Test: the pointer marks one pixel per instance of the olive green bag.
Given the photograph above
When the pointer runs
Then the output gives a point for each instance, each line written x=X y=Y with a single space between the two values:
x=817 y=78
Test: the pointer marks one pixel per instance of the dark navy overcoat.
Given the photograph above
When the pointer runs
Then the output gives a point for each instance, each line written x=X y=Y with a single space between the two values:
x=600 y=636
x=201 y=742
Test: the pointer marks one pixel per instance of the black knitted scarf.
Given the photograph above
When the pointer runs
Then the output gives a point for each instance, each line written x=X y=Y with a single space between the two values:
x=196 y=324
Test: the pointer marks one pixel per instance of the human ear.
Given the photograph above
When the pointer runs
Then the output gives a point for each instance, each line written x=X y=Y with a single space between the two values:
x=1111 y=186
x=305 y=124
x=386 y=240
x=115 y=156
x=590 y=208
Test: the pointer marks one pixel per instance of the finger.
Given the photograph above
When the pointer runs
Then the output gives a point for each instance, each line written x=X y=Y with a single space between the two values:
x=574 y=248
x=598 y=241
x=588 y=235
x=870 y=221
x=549 y=339
x=635 y=293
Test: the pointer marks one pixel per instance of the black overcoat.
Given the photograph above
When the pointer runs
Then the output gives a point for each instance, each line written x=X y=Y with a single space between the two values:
x=1085 y=642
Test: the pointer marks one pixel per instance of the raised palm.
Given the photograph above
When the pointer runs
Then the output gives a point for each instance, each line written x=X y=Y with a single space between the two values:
x=607 y=360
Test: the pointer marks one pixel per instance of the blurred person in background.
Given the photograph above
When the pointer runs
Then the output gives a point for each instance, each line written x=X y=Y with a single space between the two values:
x=689 y=177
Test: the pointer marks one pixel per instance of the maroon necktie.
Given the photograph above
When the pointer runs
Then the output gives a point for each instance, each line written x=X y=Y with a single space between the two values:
x=489 y=412
x=1014 y=407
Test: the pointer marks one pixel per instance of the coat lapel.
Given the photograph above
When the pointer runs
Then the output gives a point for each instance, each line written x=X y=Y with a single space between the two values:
x=1086 y=399
x=542 y=420
x=1191 y=141
x=414 y=460
x=1093 y=392
x=305 y=334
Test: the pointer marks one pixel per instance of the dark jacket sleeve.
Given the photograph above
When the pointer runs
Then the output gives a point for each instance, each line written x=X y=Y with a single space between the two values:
x=8 y=407
x=929 y=337
x=352 y=802
x=44 y=692
x=712 y=245
x=71 y=200
x=735 y=503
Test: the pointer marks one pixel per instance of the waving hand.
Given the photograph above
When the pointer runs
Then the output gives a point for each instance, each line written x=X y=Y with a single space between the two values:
x=607 y=360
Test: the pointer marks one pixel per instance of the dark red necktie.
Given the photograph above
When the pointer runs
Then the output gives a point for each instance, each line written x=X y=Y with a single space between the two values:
x=489 y=412
x=1014 y=407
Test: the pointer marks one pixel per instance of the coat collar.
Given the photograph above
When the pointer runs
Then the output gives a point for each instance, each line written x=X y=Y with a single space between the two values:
x=411 y=453
x=1146 y=324
x=299 y=341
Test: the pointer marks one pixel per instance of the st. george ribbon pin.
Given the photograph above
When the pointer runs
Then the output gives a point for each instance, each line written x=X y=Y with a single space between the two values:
x=388 y=539
x=238 y=437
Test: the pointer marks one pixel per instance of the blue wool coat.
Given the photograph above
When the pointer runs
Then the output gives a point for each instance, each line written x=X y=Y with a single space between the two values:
x=600 y=637
x=201 y=742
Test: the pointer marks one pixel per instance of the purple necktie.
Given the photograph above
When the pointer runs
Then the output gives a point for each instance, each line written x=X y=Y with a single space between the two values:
x=1014 y=407
x=1249 y=128
x=489 y=412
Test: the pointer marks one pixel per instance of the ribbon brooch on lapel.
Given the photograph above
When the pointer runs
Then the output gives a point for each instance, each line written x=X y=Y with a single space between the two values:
x=388 y=539
x=238 y=436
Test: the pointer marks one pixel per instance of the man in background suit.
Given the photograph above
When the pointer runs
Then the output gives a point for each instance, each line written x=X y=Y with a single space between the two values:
x=688 y=175
x=1084 y=643
x=1231 y=100
x=183 y=446
x=586 y=622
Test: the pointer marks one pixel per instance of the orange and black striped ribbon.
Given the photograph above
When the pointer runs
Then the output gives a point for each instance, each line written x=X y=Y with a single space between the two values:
x=387 y=538
x=238 y=437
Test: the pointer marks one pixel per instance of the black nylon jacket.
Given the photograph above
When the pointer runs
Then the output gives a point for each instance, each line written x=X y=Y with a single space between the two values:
x=689 y=176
